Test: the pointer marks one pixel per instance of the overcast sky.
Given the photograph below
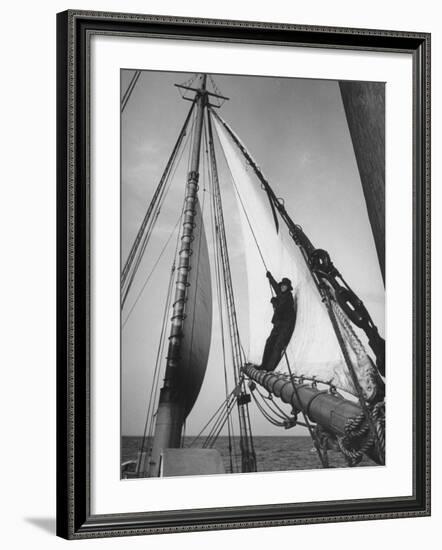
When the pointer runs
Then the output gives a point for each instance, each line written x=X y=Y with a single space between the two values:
x=297 y=132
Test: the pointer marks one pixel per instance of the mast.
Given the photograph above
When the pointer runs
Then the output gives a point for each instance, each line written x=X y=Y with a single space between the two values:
x=248 y=456
x=171 y=412
x=364 y=106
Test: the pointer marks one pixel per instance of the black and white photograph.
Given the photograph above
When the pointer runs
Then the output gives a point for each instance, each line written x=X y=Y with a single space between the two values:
x=219 y=284
x=252 y=274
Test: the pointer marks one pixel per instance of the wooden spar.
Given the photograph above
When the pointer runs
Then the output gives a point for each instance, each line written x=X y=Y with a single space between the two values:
x=364 y=105
x=322 y=407
x=171 y=414
x=331 y=411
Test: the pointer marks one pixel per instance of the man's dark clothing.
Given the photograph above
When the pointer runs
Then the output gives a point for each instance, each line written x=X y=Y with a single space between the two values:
x=284 y=319
x=284 y=307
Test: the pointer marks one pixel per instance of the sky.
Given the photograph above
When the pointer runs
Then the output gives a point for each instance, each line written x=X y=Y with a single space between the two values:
x=297 y=132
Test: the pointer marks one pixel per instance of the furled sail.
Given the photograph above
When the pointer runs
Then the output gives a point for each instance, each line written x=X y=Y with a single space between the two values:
x=197 y=325
x=314 y=350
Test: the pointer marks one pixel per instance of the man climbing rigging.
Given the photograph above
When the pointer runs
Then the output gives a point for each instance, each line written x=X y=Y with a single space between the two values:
x=284 y=319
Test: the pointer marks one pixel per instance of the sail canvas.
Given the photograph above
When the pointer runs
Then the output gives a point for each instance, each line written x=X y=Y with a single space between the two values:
x=313 y=350
x=197 y=325
x=211 y=293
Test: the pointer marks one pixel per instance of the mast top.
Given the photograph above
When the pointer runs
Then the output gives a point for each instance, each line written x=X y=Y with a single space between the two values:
x=202 y=90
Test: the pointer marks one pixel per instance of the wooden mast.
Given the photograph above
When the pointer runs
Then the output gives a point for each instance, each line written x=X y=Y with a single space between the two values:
x=364 y=106
x=171 y=411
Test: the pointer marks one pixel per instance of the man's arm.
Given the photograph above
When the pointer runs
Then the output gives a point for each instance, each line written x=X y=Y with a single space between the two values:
x=272 y=281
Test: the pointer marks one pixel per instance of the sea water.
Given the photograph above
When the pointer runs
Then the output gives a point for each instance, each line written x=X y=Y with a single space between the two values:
x=273 y=453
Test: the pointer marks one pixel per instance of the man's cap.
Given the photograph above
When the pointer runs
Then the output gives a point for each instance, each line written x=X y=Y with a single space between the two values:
x=286 y=282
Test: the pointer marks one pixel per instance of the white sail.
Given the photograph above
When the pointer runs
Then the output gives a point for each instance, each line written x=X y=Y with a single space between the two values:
x=314 y=349
x=197 y=325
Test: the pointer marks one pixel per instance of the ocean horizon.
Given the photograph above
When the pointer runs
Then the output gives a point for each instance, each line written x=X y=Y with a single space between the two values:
x=273 y=453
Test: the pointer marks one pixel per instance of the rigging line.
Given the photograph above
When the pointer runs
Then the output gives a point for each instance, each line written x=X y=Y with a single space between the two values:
x=266 y=415
x=157 y=193
x=218 y=257
x=146 y=239
x=161 y=350
x=148 y=233
x=279 y=413
x=157 y=364
x=223 y=404
x=210 y=441
x=215 y=236
x=277 y=409
x=131 y=85
x=197 y=437
x=245 y=213
x=219 y=421
x=130 y=89
x=246 y=441
x=192 y=137
x=167 y=183
x=306 y=419
x=219 y=294
x=123 y=97
x=251 y=438
x=227 y=409
x=306 y=248
x=353 y=374
x=324 y=295
x=219 y=289
x=152 y=271
x=224 y=257
x=183 y=434
x=264 y=183
x=155 y=385
x=167 y=309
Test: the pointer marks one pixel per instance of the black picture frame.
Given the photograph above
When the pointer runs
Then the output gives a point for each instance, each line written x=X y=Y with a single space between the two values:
x=74 y=518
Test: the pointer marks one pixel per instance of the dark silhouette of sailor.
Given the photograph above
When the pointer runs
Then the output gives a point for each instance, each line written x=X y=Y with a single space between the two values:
x=283 y=320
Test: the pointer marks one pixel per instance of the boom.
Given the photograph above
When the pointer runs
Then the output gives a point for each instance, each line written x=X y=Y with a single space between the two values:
x=340 y=418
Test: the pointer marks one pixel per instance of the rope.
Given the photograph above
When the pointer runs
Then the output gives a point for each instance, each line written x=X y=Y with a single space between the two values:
x=278 y=412
x=152 y=270
x=221 y=410
x=243 y=208
x=358 y=438
x=183 y=434
x=154 y=384
x=148 y=222
x=316 y=443
x=223 y=404
x=219 y=425
x=312 y=435
x=351 y=370
x=266 y=415
x=248 y=221
x=246 y=438
x=129 y=90
x=219 y=296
